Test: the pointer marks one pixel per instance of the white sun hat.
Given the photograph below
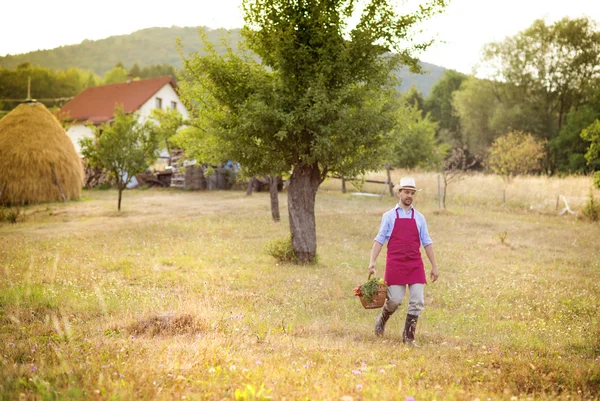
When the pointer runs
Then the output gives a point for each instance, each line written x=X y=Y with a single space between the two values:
x=406 y=183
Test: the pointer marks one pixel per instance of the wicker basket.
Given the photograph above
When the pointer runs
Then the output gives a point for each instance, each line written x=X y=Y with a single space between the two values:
x=378 y=298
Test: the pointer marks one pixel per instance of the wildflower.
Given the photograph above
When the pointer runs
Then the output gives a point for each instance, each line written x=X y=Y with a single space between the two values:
x=359 y=386
x=232 y=368
x=382 y=371
x=33 y=368
x=211 y=370
x=410 y=399
x=356 y=372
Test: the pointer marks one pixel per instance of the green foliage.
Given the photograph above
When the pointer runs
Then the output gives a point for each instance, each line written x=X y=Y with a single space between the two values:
x=549 y=69
x=10 y=214
x=250 y=393
x=155 y=49
x=591 y=211
x=237 y=118
x=439 y=106
x=592 y=135
x=116 y=75
x=413 y=97
x=124 y=148
x=370 y=288
x=47 y=85
x=282 y=250
x=321 y=100
x=414 y=142
x=165 y=123
x=476 y=105
x=569 y=147
x=502 y=236
x=516 y=153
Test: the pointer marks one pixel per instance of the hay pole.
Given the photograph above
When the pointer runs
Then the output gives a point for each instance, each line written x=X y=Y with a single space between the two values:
x=59 y=187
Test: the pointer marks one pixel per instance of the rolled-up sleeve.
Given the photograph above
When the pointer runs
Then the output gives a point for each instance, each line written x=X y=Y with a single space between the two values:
x=385 y=229
x=424 y=233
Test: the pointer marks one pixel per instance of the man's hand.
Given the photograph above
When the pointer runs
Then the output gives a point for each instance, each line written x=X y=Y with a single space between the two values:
x=434 y=274
x=372 y=268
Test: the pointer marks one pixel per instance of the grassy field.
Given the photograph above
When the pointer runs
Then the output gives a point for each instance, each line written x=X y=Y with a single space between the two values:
x=175 y=298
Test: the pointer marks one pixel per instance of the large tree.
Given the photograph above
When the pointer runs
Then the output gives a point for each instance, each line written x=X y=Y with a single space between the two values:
x=413 y=139
x=439 y=105
x=332 y=100
x=549 y=69
x=332 y=78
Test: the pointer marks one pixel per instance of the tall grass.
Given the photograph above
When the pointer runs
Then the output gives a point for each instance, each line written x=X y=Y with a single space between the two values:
x=176 y=298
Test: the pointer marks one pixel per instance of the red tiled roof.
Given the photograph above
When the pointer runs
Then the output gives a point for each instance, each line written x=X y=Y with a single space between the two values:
x=97 y=104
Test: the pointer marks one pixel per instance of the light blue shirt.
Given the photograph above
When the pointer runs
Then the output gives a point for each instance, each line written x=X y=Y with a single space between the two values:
x=387 y=225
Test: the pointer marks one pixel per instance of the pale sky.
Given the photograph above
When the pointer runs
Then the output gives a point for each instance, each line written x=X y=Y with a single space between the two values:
x=465 y=26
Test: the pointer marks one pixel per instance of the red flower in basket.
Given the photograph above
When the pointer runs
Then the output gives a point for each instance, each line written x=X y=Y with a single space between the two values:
x=373 y=293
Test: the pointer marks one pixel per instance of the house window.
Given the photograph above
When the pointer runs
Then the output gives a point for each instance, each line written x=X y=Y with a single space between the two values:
x=173 y=105
x=159 y=103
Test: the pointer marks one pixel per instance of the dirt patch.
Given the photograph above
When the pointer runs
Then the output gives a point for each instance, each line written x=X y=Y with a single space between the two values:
x=167 y=325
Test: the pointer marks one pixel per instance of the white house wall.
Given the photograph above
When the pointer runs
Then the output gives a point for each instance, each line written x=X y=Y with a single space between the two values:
x=166 y=93
x=78 y=131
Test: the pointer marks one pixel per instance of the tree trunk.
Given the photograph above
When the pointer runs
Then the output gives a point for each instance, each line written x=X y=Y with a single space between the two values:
x=444 y=196
x=168 y=151
x=302 y=191
x=274 y=197
x=250 y=186
x=389 y=179
x=120 y=186
x=343 y=185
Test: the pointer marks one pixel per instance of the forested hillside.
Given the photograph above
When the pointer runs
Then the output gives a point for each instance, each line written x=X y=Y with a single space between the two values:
x=154 y=46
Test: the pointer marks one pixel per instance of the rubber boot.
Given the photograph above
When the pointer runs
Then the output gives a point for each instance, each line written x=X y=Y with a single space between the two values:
x=381 y=321
x=410 y=327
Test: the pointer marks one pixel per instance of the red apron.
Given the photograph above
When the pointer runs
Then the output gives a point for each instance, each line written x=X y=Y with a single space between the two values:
x=404 y=264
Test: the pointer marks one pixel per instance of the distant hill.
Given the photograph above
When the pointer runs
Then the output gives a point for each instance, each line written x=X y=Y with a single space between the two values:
x=158 y=46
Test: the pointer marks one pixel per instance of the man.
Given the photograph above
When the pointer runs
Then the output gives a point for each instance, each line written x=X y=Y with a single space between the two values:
x=405 y=229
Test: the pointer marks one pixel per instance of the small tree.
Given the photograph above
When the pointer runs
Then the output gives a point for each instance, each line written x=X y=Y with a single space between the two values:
x=123 y=148
x=516 y=153
x=592 y=134
x=456 y=166
x=169 y=121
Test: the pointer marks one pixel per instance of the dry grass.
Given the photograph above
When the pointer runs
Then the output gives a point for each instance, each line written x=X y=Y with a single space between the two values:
x=35 y=151
x=175 y=297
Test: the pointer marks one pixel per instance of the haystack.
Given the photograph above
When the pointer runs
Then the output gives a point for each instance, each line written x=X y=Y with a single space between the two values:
x=38 y=161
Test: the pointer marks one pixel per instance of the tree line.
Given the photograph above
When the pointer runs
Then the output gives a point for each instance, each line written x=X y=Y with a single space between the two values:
x=542 y=86
x=54 y=88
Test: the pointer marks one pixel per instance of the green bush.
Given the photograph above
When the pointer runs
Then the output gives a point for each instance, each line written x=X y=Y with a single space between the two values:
x=591 y=211
x=282 y=250
x=9 y=215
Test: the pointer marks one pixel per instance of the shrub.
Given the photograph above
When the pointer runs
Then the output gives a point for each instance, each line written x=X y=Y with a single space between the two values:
x=10 y=215
x=591 y=211
x=282 y=250
x=516 y=153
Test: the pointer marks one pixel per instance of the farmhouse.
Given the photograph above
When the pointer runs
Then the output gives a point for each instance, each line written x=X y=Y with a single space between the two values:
x=96 y=105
